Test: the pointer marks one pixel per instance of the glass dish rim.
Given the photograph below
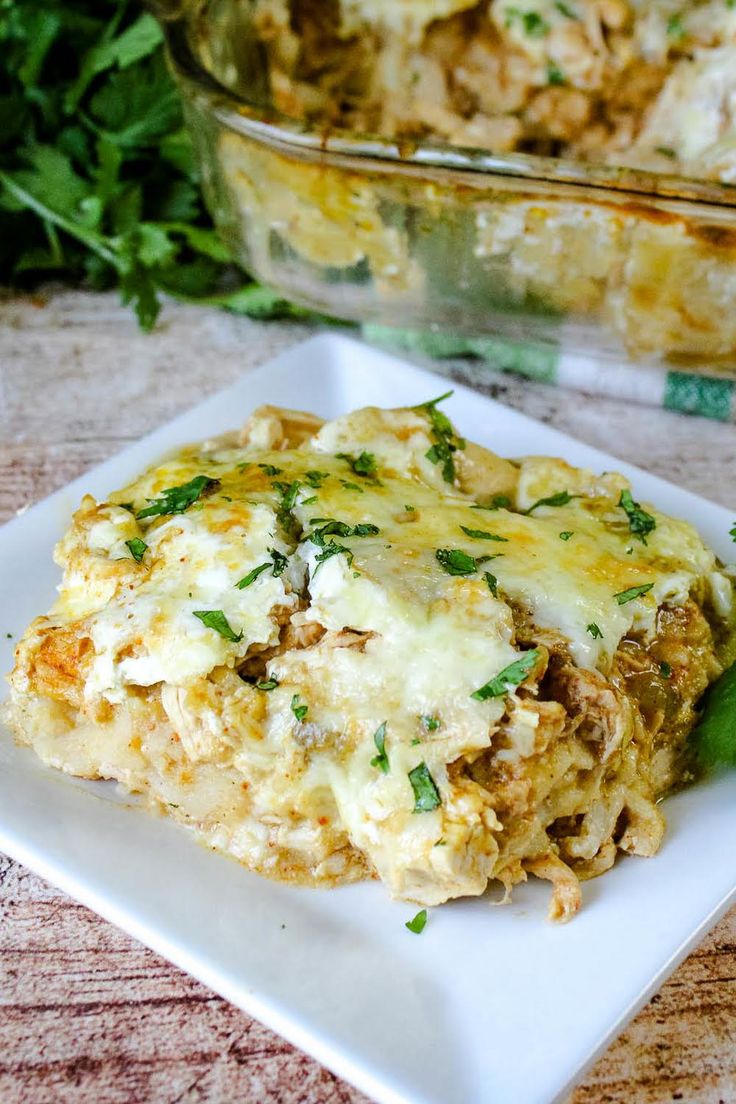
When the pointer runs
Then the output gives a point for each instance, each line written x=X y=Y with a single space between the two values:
x=271 y=127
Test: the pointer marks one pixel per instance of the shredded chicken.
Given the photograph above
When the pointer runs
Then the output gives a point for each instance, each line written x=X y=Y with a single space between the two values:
x=650 y=84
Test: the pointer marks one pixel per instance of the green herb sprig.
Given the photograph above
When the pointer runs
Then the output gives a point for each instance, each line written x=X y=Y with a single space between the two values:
x=508 y=678
x=641 y=524
x=418 y=923
x=176 y=500
x=379 y=739
x=446 y=441
x=426 y=794
x=624 y=596
x=98 y=181
x=137 y=548
x=216 y=619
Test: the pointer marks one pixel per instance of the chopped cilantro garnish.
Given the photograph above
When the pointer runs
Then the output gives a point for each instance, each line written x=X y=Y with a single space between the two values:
x=664 y=669
x=137 y=548
x=379 y=739
x=508 y=678
x=560 y=499
x=713 y=736
x=555 y=75
x=299 y=711
x=565 y=10
x=456 y=562
x=482 y=534
x=418 y=923
x=287 y=500
x=675 y=28
x=625 y=596
x=279 y=562
x=267 y=684
x=351 y=486
x=430 y=723
x=331 y=548
x=252 y=576
x=316 y=478
x=426 y=794
x=498 y=502
x=216 y=619
x=330 y=526
x=415 y=741
x=492 y=581
x=309 y=501
x=566 y=534
x=640 y=522
x=532 y=22
x=409 y=509
x=594 y=631
x=442 y=432
x=175 y=500
x=270 y=469
x=277 y=565
x=732 y=532
x=363 y=465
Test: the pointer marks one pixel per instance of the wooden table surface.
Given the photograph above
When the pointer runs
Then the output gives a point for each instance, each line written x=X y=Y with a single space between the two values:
x=89 y=1016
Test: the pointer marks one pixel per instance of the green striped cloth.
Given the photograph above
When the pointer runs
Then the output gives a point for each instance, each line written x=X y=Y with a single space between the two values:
x=686 y=392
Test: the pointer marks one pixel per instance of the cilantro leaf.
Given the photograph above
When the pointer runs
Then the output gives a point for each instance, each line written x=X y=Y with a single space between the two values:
x=498 y=502
x=316 y=478
x=560 y=499
x=594 y=631
x=640 y=522
x=299 y=711
x=330 y=549
x=426 y=794
x=252 y=576
x=492 y=581
x=442 y=432
x=175 y=500
x=482 y=534
x=379 y=739
x=267 y=684
x=279 y=562
x=287 y=501
x=216 y=619
x=625 y=596
x=418 y=923
x=532 y=23
x=714 y=737
x=508 y=678
x=364 y=465
x=456 y=562
x=137 y=548
x=328 y=526
x=430 y=723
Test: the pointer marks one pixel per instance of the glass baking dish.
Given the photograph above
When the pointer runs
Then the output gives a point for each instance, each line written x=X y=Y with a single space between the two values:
x=611 y=262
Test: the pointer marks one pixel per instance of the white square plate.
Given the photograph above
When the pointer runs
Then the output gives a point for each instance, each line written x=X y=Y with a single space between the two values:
x=488 y=1004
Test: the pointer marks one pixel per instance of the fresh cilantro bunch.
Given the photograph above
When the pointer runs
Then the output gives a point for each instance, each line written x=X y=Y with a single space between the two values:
x=97 y=177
